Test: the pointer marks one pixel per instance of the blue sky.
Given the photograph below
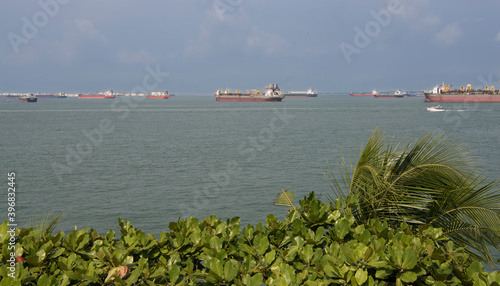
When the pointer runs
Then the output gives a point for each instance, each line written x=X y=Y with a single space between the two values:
x=332 y=46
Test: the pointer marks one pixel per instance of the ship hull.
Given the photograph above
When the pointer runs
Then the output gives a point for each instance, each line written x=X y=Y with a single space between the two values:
x=50 y=96
x=247 y=98
x=361 y=94
x=159 y=96
x=431 y=97
x=30 y=99
x=301 y=95
x=388 y=96
x=95 y=96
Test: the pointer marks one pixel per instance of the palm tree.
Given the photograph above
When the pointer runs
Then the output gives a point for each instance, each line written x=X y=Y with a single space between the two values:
x=432 y=182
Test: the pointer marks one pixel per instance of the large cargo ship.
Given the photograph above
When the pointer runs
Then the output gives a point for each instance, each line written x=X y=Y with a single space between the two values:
x=159 y=95
x=308 y=93
x=272 y=93
x=397 y=94
x=27 y=98
x=444 y=93
x=107 y=94
x=373 y=93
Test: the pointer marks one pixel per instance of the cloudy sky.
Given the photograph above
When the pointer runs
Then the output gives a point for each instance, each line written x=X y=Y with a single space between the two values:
x=332 y=46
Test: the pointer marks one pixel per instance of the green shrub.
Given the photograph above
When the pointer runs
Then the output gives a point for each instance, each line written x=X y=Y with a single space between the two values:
x=316 y=244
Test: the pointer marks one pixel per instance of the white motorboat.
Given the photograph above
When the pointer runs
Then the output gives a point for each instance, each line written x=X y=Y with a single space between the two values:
x=435 y=108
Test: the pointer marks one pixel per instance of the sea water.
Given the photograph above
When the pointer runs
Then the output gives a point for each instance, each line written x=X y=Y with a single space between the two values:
x=154 y=161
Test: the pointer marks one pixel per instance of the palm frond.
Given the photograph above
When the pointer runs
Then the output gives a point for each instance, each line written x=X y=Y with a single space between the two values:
x=285 y=198
x=43 y=225
x=433 y=180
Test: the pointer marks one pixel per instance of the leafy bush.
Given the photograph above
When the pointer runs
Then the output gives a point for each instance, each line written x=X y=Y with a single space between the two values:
x=316 y=244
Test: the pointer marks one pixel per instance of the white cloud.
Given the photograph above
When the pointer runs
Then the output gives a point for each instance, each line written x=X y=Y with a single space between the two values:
x=418 y=15
x=449 y=34
x=498 y=37
x=427 y=22
x=87 y=29
x=266 y=42
x=140 y=57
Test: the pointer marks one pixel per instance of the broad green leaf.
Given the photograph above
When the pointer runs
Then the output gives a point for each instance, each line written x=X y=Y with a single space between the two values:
x=230 y=270
x=44 y=280
x=475 y=267
x=383 y=273
x=306 y=253
x=270 y=257
x=173 y=273
x=263 y=245
x=361 y=276
x=409 y=259
x=341 y=228
x=409 y=276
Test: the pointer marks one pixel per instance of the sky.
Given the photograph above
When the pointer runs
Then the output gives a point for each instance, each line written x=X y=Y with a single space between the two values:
x=197 y=47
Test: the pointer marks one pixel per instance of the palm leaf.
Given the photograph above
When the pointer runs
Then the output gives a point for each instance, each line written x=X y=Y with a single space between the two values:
x=285 y=198
x=434 y=181
x=43 y=225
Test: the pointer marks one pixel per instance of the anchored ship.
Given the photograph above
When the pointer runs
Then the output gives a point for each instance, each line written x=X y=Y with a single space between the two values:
x=49 y=95
x=308 y=93
x=27 y=98
x=444 y=93
x=397 y=94
x=159 y=94
x=107 y=94
x=272 y=93
x=373 y=93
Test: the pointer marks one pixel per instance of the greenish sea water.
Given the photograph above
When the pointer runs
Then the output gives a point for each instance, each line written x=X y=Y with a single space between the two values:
x=154 y=161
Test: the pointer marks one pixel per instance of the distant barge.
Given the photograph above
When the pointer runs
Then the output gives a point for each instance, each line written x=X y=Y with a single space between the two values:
x=107 y=94
x=308 y=93
x=373 y=93
x=272 y=93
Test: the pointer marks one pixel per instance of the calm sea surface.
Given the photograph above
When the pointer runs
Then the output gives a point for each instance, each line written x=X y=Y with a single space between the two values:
x=154 y=161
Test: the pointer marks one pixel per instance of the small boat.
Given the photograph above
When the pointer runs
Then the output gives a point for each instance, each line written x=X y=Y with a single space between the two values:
x=27 y=98
x=435 y=108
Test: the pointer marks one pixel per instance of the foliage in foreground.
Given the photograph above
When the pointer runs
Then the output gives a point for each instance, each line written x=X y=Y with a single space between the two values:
x=316 y=244
x=431 y=182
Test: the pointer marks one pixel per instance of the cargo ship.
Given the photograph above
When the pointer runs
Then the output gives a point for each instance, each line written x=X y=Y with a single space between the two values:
x=28 y=98
x=272 y=93
x=373 y=93
x=308 y=93
x=107 y=94
x=397 y=94
x=159 y=95
x=444 y=93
